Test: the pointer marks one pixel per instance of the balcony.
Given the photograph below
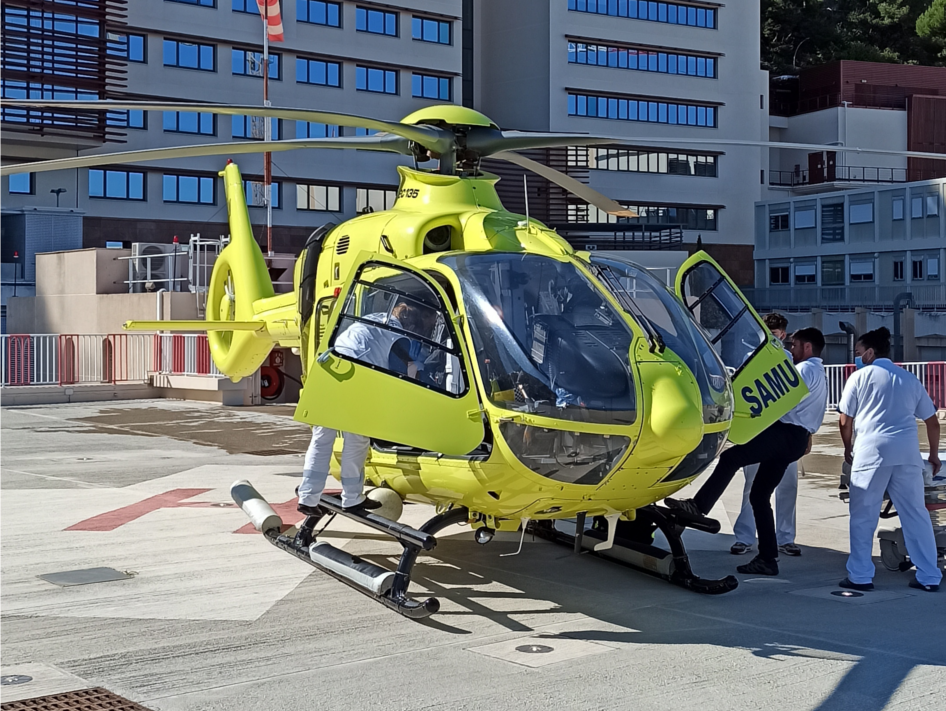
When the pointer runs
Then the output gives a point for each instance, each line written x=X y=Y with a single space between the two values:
x=845 y=298
x=842 y=174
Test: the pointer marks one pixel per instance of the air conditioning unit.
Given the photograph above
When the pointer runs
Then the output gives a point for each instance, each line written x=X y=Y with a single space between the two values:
x=158 y=266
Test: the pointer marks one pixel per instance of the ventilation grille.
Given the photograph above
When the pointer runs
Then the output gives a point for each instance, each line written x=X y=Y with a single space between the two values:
x=342 y=245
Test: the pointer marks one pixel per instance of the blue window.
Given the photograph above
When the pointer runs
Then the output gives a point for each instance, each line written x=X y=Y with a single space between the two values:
x=318 y=71
x=624 y=109
x=428 y=86
x=366 y=131
x=380 y=81
x=319 y=12
x=189 y=122
x=253 y=127
x=203 y=3
x=249 y=6
x=377 y=22
x=189 y=55
x=116 y=184
x=250 y=64
x=309 y=129
x=645 y=60
x=426 y=30
x=127 y=119
x=22 y=184
x=256 y=193
x=189 y=189
x=128 y=46
x=672 y=13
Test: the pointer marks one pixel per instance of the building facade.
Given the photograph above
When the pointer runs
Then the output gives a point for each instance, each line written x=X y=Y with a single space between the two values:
x=659 y=71
x=640 y=71
x=854 y=248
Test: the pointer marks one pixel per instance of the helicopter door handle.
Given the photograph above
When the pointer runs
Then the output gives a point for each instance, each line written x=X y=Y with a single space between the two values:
x=325 y=355
x=474 y=415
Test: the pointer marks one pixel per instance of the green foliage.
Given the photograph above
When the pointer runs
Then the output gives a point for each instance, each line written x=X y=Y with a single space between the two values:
x=800 y=33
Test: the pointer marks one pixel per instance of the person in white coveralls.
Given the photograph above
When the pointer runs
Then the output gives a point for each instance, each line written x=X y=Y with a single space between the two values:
x=363 y=343
x=879 y=407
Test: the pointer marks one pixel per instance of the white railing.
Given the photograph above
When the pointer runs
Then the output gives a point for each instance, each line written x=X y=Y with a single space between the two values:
x=75 y=359
x=932 y=375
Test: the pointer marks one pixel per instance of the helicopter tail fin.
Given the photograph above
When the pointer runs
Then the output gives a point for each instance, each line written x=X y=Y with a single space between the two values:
x=240 y=278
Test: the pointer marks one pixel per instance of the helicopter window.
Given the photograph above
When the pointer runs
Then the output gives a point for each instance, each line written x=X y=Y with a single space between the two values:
x=394 y=321
x=676 y=327
x=724 y=315
x=569 y=457
x=547 y=341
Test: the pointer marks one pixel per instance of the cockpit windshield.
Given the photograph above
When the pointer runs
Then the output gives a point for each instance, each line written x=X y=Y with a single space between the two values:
x=647 y=298
x=547 y=341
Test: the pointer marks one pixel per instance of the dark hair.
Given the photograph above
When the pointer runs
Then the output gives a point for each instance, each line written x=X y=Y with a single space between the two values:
x=878 y=340
x=812 y=336
x=775 y=321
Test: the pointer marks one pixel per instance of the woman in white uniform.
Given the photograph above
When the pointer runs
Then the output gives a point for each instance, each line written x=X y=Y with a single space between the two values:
x=880 y=404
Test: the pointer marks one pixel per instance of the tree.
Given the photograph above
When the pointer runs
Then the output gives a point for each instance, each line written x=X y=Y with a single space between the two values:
x=932 y=25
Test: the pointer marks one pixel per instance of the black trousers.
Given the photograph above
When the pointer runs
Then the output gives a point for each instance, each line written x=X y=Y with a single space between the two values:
x=773 y=450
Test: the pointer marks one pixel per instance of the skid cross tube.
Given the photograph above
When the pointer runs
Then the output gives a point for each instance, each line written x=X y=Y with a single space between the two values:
x=412 y=540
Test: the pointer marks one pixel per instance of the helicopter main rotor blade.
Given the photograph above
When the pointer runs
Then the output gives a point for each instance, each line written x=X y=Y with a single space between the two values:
x=431 y=137
x=583 y=191
x=388 y=144
x=487 y=142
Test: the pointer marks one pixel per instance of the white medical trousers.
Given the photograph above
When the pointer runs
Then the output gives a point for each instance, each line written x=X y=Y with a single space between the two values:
x=904 y=484
x=786 y=494
x=317 y=459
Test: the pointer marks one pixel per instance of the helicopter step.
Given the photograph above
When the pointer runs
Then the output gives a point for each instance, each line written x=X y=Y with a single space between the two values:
x=633 y=546
x=386 y=586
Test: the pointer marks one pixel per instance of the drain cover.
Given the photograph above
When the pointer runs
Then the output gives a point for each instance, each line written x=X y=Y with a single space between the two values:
x=534 y=649
x=84 y=700
x=846 y=593
x=12 y=679
x=68 y=578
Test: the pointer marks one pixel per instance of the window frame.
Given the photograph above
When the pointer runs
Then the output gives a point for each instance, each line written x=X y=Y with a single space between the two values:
x=642 y=109
x=367 y=68
x=832 y=272
x=308 y=4
x=861 y=219
x=111 y=48
x=803 y=276
x=211 y=4
x=917 y=268
x=177 y=53
x=276 y=133
x=275 y=59
x=641 y=59
x=777 y=226
x=440 y=79
x=386 y=15
x=363 y=195
x=308 y=125
x=787 y=274
x=105 y=185
x=304 y=188
x=203 y=181
x=329 y=64
x=861 y=276
x=673 y=13
x=898 y=271
x=31 y=184
x=275 y=190
x=199 y=116
x=440 y=25
x=896 y=206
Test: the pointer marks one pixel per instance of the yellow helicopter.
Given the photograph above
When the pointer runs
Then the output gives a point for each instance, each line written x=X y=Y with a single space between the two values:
x=568 y=391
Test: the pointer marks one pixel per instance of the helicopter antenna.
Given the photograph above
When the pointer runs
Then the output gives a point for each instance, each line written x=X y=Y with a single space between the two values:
x=525 y=189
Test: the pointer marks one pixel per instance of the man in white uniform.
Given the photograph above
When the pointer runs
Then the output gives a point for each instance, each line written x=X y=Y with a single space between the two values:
x=773 y=449
x=362 y=343
x=880 y=404
x=786 y=493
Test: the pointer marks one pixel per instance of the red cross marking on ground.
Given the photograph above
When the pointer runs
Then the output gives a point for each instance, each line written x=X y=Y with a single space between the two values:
x=177 y=499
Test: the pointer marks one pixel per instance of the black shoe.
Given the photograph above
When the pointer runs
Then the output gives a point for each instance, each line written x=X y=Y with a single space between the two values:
x=739 y=548
x=684 y=506
x=862 y=587
x=310 y=510
x=790 y=549
x=363 y=506
x=758 y=566
x=920 y=586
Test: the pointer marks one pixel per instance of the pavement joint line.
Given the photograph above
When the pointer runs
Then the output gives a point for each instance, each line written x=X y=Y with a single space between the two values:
x=802 y=635
x=85 y=484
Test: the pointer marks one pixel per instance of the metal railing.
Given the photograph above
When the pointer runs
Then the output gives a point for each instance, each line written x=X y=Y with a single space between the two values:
x=844 y=298
x=841 y=173
x=932 y=375
x=82 y=359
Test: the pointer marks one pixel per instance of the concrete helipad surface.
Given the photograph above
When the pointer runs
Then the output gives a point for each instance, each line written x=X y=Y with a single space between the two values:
x=204 y=614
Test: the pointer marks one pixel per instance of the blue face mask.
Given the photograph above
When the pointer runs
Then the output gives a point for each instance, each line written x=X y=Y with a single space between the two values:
x=858 y=363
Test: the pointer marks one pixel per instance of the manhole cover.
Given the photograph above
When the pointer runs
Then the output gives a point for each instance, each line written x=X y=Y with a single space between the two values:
x=534 y=649
x=12 y=679
x=846 y=593
x=84 y=700
x=68 y=578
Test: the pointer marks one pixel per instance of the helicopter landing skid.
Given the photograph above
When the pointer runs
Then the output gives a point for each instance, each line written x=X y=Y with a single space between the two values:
x=386 y=586
x=633 y=547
